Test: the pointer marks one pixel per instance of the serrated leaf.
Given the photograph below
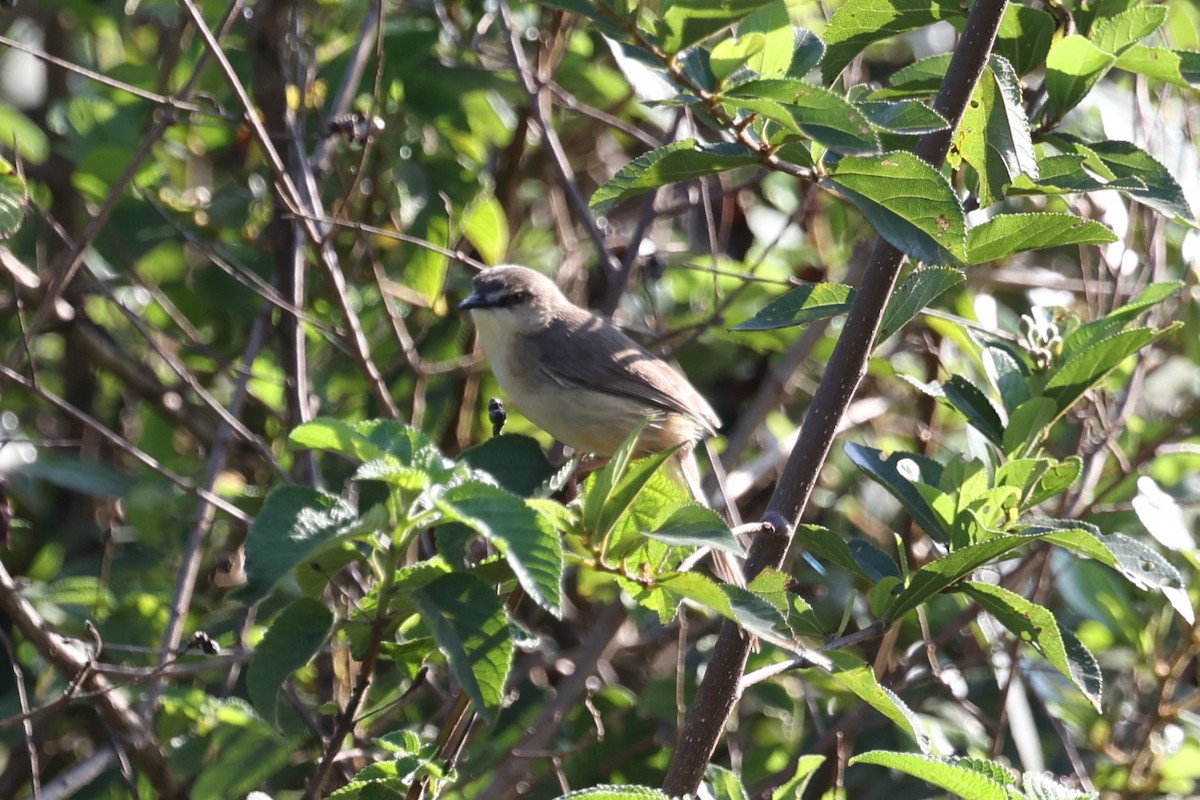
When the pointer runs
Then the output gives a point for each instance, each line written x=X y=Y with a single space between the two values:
x=908 y=202
x=675 y=163
x=468 y=622
x=693 y=525
x=1027 y=424
x=1140 y=564
x=685 y=22
x=1024 y=37
x=909 y=117
x=245 y=751
x=1178 y=67
x=922 y=77
x=1007 y=234
x=1090 y=366
x=857 y=676
x=994 y=135
x=728 y=55
x=1162 y=193
x=809 y=52
x=1118 y=33
x=291 y=640
x=529 y=542
x=774 y=24
x=973 y=404
x=1037 y=625
x=969 y=778
x=1073 y=66
x=810 y=110
x=1092 y=332
x=803 y=304
x=896 y=472
x=615 y=792
x=294 y=524
x=857 y=23
x=937 y=576
x=914 y=294
x=699 y=589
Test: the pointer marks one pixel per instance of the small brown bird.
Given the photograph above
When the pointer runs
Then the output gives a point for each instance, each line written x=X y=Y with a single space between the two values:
x=579 y=378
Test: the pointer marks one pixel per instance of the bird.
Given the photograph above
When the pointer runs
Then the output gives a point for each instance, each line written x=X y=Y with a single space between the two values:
x=578 y=377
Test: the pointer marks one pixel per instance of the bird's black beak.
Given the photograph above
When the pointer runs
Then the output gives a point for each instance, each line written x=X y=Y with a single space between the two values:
x=475 y=300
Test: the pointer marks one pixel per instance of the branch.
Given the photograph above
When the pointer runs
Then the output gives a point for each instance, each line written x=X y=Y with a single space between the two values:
x=73 y=662
x=718 y=692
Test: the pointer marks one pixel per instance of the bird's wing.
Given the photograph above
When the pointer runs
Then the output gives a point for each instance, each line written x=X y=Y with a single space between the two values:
x=602 y=358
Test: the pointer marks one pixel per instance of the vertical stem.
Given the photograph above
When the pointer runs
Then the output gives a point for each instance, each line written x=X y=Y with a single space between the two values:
x=718 y=692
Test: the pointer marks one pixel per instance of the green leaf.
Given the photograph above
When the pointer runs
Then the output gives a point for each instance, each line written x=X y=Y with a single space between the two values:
x=800 y=305
x=908 y=202
x=809 y=52
x=1140 y=564
x=1087 y=368
x=693 y=525
x=1024 y=37
x=615 y=793
x=1006 y=234
x=425 y=270
x=631 y=483
x=857 y=676
x=486 y=228
x=857 y=23
x=917 y=292
x=994 y=135
x=774 y=24
x=1073 y=66
x=1092 y=332
x=1178 y=67
x=13 y=196
x=601 y=13
x=1035 y=624
x=809 y=110
x=699 y=589
x=973 y=404
x=1162 y=192
x=685 y=22
x=922 y=77
x=896 y=473
x=470 y=626
x=517 y=462
x=909 y=117
x=1118 y=33
x=292 y=639
x=295 y=523
x=729 y=55
x=868 y=562
x=528 y=541
x=88 y=477
x=969 y=778
x=675 y=163
x=793 y=788
x=938 y=576
x=1027 y=424
x=726 y=784
x=243 y=751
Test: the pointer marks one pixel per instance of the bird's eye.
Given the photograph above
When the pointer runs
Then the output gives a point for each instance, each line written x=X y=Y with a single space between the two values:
x=517 y=297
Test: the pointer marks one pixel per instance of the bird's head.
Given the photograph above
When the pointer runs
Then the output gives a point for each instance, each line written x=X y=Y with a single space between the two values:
x=515 y=297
